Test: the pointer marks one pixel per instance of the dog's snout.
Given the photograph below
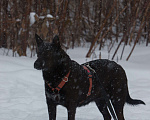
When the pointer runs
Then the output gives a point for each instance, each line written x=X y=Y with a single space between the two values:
x=38 y=65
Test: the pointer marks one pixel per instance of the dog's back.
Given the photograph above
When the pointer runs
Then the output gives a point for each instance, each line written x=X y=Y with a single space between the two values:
x=114 y=80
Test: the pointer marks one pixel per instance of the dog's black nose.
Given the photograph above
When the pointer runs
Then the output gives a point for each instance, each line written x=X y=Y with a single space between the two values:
x=38 y=65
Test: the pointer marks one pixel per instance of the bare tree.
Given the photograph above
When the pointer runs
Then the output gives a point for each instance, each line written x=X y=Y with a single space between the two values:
x=76 y=22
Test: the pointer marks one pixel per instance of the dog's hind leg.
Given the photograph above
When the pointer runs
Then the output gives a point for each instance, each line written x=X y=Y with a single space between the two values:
x=119 y=112
x=101 y=104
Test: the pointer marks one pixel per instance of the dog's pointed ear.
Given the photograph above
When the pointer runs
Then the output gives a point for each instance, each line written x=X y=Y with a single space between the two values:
x=56 y=41
x=39 y=41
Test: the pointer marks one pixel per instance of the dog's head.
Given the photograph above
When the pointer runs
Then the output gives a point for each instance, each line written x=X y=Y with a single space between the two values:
x=49 y=55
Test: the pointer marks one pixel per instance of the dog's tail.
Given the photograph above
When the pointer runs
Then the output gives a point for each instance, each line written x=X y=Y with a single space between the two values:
x=131 y=101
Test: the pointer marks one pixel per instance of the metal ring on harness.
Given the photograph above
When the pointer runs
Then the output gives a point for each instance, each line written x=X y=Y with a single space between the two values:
x=65 y=79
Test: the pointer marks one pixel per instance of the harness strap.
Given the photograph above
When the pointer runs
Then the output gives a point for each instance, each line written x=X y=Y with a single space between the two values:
x=65 y=79
x=61 y=84
x=90 y=80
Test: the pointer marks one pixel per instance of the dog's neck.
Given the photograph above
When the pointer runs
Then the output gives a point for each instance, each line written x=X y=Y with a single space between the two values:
x=55 y=75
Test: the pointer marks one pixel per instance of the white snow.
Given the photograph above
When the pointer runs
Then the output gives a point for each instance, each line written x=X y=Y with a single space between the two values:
x=49 y=16
x=22 y=87
x=32 y=18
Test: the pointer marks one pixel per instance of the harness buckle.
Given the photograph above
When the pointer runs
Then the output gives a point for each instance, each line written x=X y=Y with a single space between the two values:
x=90 y=76
x=65 y=79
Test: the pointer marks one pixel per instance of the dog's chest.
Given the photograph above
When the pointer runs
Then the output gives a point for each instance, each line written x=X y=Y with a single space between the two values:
x=55 y=97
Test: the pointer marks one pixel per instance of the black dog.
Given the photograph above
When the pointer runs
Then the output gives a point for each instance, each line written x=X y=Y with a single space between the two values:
x=72 y=85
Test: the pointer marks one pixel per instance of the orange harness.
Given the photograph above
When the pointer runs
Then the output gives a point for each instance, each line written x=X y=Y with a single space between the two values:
x=65 y=79
x=62 y=83
x=90 y=80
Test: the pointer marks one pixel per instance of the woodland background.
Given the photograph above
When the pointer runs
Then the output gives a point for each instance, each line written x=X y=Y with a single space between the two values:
x=100 y=22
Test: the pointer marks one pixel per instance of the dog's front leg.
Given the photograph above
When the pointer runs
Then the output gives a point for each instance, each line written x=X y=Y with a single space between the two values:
x=71 y=110
x=51 y=109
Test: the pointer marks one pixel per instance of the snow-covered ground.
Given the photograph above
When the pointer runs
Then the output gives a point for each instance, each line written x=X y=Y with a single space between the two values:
x=22 y=87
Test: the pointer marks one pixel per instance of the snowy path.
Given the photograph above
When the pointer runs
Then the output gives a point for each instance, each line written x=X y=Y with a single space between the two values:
x=22 y=89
